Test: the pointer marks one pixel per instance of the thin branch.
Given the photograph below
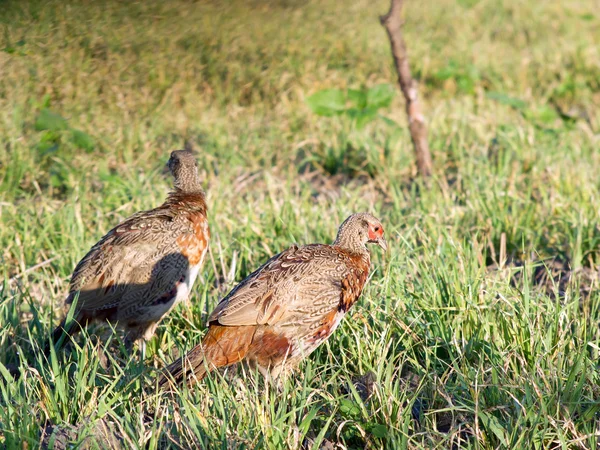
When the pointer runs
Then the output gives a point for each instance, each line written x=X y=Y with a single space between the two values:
x=32 y=268
x=392 y=22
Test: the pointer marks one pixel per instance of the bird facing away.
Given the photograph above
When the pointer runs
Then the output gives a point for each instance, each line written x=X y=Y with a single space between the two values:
x=283 y=311
x=136 y=273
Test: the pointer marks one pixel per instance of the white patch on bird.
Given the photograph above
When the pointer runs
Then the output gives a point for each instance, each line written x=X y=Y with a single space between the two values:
x=183 y=291
x=336 y=322
x=184 y=288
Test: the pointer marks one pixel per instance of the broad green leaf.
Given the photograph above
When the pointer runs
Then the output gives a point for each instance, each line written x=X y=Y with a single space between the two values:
x=491 y=423
x=358 y=97
x=362 y=116
x=82 y=140
x=304 y=426
x=378 y=430
x=364 y=119
x=544 y=114
x=390 y=122
x=451 y=70
x=380 y=96
x=348 y=408
x=47 y=147
x=327 y=102
x=50 y=136
x=7 y=376
x=317 y=441
x=45 y=101
x=466 y=83
x=48 y=120
x=513 y=102
x=467 y=3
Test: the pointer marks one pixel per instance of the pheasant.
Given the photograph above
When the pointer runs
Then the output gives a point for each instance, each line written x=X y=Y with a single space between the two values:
x=288 y=307
x=144 y=266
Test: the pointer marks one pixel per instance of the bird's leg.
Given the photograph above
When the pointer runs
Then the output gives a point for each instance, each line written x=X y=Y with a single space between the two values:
x=142 y=348
x=142 y=336
x=278 y=375
x=129 y=343
x=101 y=353
x=279 y=384
x=271 y=376
x=135 y=336
x=265 y=372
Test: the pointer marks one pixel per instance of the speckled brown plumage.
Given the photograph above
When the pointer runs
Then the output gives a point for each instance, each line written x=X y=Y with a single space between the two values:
x=136 y=273
x=282 y=312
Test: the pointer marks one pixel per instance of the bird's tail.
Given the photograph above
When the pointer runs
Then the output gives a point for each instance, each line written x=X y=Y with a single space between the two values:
x=222 y=346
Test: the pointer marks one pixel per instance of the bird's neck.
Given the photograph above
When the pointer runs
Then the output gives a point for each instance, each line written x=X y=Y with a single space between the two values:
x=187 y=180
x=361 y=258
x=351 y=243
x=190 y=185
x=195 y=200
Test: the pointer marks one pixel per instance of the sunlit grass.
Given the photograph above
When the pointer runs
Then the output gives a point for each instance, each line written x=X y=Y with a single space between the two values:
x=468 y=333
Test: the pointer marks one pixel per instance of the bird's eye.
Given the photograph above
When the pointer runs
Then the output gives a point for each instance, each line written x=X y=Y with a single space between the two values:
x=376 y=228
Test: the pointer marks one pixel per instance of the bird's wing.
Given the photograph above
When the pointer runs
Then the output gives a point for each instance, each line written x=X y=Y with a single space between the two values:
x=139 y=255
x=280 y=288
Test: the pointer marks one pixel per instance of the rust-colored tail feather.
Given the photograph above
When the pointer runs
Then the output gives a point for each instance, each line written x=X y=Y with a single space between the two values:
x=220 y=347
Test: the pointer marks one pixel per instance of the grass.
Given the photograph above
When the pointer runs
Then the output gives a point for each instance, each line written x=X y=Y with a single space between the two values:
x=479 y=329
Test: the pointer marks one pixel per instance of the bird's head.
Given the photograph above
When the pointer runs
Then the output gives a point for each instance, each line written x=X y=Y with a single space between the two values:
x=183 y=166
x=360 y=229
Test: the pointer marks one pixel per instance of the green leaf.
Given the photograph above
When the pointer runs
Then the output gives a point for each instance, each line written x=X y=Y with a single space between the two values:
x=317 y=441
x=358 y=98
x=362 y=116
x=49 y=136
x=546 y=114
x=451 y=70
x=13 y=48
x=348 y=408
x=467 y=3
x=380 y=96
x=83 y=140
x=366 y=117
x=543 y=115
x=513 y=102
x=48 y=120
x=46 y=148
x=7 y=376
x=308 y=418
x=466 y=83
x=327 y=102
x=390 y=122
x=491 y=423
x=378 y=430
x=46 y=101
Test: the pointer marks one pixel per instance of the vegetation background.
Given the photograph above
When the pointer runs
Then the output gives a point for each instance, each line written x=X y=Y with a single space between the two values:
x=479 y=329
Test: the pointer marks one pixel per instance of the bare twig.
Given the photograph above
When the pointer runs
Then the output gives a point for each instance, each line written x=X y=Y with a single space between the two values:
x=392 y=22
x=33 y=268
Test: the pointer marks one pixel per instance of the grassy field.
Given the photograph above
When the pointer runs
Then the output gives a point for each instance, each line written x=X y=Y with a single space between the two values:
x=479 y=329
